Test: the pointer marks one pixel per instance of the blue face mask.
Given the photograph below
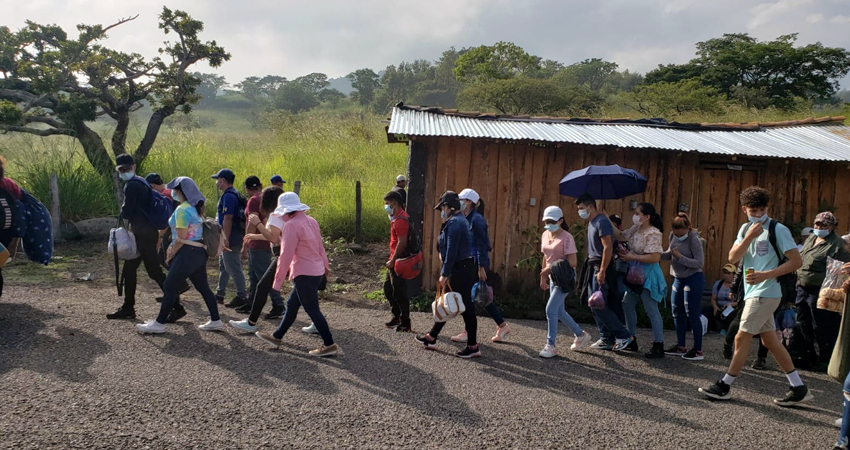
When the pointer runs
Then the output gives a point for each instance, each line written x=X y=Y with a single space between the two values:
x=821 y=233
x=552 y=227
x=443 y=215
x=682 y=238
x=388 y=209
x=757 y=219
x=174 y=195
x=583 y=213
x=127 y=176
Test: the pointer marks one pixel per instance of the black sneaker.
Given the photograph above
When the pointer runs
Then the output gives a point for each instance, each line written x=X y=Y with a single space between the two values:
x=393 y=323
x=402 y=328
x=633 y=347
x=794 y=396
x=469 y=352
x=426 y=340
x=675 y=350
x=236 y=302
x=727 y=351
x=717 y=391
x=123 y=313
x=693 y=355
x=759 y=364
x=656 y=352
x=275 y=313
x=219 y=299
x=176 y=314
x=244 y=309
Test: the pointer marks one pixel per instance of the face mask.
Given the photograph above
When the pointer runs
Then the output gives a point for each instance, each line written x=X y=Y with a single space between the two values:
x=821 y=233
x=443 y=215
x=175 y=196
x=682 y=238
x=636 y=219
x=754 y=219
x=388 y=209
x=552 y=227
x=127 y=176
x=583 y=213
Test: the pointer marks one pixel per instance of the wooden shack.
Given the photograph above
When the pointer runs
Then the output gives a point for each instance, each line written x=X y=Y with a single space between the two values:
x=516 y=163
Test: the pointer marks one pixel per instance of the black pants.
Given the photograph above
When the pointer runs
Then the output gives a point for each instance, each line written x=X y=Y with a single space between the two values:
x=146 y=240
x=463 y=278
x=733 y=331
x=264 y=288
x=820 y=325
x=395 y=290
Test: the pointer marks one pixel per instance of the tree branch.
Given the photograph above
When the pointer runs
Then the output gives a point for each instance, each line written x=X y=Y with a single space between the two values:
x=36 y=131
x=46 y=120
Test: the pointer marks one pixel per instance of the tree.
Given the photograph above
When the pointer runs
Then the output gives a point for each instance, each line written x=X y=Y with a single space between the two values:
x=208 y=87
x=260 y=90
x=54 y=85
x=295 y=98
x=365 y=82
x=332 y=96
x=777 y=68
x=665 y=99
x=496 y=62
x=521 y=96
x=593 y=74
x=313 y=82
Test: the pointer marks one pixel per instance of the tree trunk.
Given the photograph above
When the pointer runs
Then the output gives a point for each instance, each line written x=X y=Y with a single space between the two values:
x=119 y=137
x=98 y=157
x=154 y=124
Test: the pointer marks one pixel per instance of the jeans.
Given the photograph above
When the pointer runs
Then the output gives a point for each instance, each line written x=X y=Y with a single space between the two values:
x=146 y=240
x=844 y=436
x=494 y=312
x=259 y=262
x=230 y=265
x=305 y=292
x=609 y=325
x=264 y=288
x=395 y=290
x=820 y=325
x=462 y=278
x=189 y=262
x=687 y=307
x=651 y=307
x=555 y=311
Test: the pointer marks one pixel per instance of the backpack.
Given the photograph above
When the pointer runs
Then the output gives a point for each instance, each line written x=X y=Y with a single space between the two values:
x=413 y=245
x=38 y=240
x=239 y=218
x=787 y=282
x=160 y=208
x=213 y=243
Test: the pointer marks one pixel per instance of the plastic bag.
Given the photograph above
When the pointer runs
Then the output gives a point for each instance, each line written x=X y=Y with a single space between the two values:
x=125 y=242
x=597 y=300
x=482 y=294
x=831 y=297
x=635 y=274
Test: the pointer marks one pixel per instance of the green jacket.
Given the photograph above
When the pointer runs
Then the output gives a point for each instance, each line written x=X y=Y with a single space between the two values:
x=813 y=271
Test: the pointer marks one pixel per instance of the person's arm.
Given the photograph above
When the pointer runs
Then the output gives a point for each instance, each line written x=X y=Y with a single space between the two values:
x=667 y=255
x=625 y=235
x=288 y=241
x=401 y=246
x=607 y=253
x=270 y=233
x=132 y=193
x=842 y=254
x=227 y=226
x=736 y=254
x=451 y=248
x=698 y=260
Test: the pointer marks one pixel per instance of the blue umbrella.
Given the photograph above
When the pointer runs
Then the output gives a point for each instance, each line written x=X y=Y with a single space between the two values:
x=603 y=182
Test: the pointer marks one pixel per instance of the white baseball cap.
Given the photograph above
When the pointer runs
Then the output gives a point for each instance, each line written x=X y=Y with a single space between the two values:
x=807 y=231
x=553 y=213
x=469 y=194
x=401 y=178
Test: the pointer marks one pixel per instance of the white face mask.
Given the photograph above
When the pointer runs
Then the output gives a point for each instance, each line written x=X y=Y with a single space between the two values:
x=127 y=176
x=636 y=219
x=583 y=213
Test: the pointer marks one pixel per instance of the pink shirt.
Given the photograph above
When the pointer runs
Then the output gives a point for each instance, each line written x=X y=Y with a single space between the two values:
x=556 y=248
x=301 y=249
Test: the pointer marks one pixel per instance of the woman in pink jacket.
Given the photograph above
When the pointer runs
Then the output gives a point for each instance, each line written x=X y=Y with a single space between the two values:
x=303 y=257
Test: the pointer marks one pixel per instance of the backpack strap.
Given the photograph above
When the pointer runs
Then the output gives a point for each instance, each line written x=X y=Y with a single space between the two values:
x=771 y=236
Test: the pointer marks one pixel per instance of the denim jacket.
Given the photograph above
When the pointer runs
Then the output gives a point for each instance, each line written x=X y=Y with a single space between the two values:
x=454 y=243
x=480 y=239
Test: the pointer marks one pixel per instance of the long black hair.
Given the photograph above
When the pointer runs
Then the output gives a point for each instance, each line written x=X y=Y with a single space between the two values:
x=654 y=219
x=268 y=199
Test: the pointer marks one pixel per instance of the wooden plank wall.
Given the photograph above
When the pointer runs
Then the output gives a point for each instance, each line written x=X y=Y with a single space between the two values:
x=508 y=176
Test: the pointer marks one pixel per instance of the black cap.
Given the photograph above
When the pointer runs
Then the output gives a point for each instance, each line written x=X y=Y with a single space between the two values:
x=278 y=179
x=450 y=199
x=227 y=174
x=124 y=160
x=154 y=178
x=252 y=182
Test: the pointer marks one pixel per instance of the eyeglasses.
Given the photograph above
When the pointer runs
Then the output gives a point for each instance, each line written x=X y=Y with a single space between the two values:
x=125 y=169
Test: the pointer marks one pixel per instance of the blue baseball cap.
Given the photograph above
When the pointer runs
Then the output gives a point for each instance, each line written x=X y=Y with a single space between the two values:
x=278 y=179
x=227 y=174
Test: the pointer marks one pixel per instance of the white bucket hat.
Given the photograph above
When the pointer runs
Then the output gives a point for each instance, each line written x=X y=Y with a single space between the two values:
x=289 y=202
x=553 y=213
x=469 y=194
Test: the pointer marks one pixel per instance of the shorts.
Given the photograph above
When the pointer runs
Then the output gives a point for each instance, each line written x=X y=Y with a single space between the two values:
x=757 y=316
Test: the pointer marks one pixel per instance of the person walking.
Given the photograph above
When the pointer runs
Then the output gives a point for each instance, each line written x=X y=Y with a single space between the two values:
x=470 y=204
x=395 y=287
x=598 y=274
x=186 y=257
x=820 y=325
x=458 y=271
x=686 y=253
x=230 y=214
x=558 y=246
x=763 y=294
x=645 y=281
x=303 y=258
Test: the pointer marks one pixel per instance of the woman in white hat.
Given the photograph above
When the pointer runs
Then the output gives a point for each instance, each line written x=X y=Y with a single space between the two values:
x=303 y=257
x=557 y=244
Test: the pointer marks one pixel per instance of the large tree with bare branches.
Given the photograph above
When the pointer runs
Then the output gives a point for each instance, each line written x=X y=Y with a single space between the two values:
x=51 y=84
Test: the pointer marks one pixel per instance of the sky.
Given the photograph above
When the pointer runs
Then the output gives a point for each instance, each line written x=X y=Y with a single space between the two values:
x=335 y=37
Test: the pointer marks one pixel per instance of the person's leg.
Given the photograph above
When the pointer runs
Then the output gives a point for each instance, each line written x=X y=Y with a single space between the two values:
x=400 y=296
x=292 y=305
x=462 y=280
x=389 y=294
x=253 y=276
x=494 y=312
x=181 y=267
x=693 y=298
x=780 y=354
x=606 y=316
x=651 y=308
x=567 y=319
x=223 y=277
x=844 y=435
x=308 y=294
x=630 y=310
x=742 y=352
x=202 y=285
x=828 y=324
x=233 y=264
x=146 y=244
x=130 y=279
x=264 y=286
x=763 y=351
x=555 y=303
x=680 y=314
x=734 y=326
x=805 y=317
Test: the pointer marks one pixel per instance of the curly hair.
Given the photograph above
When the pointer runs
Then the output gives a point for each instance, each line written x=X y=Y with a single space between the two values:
x=755 y=197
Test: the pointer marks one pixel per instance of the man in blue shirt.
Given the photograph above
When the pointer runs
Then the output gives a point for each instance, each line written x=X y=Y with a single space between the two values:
x=231 y=217
x=759 y=253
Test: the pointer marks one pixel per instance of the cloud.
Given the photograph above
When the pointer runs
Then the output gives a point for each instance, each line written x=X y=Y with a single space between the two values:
x=814 y=18
x=840 y=19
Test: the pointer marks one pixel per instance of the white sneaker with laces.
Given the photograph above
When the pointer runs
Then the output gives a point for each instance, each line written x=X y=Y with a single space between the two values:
x=151 y=327
x=581 y=341
x=600 y=344
x=243 y=325
x=311 y=329
x=548 y=351
x=212 y=325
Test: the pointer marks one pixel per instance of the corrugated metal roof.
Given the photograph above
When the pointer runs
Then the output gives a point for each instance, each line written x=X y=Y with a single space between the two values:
x=821 y=142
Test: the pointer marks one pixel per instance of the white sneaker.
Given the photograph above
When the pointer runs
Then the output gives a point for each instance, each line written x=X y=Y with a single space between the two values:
x=243 y=325
x=548 y=351
x=581 y=341
x=151 y=327
x=212 y=325
x=838 y=422
x=462 y=338
x=311 y=329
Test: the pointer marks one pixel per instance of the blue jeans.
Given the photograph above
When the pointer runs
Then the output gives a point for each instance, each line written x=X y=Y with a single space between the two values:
x=305 y=292
x=555 y=311
x=687 y=307
x=259 y=262
x=651 y=307
x=495 y=313
x=610 y=327
x=189 y=262
x=844 y=436
x=230 y=265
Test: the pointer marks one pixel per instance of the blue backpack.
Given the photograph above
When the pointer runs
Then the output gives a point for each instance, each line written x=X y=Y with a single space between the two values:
x=38 y=239
x=160 y=208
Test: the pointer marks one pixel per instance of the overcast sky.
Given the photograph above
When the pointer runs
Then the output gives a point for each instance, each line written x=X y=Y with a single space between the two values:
x=335 y=37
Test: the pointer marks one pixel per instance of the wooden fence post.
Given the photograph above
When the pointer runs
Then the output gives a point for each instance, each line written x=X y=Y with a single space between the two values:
x=297 y=188
x=358 y=214
x=54 y=205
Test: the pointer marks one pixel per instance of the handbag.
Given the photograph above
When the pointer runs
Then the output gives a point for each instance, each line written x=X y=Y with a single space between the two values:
x=839 y=363
x=123 y=243
x=410 y=267
x=596 y=300
x=447 y=305
x=635 y=275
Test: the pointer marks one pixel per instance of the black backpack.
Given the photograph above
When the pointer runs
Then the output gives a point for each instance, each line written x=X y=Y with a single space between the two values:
x=787 y=282
x=239 y=215
x=413 y=245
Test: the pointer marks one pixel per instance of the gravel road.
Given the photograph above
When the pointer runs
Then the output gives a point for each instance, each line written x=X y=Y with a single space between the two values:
x=71 y=379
